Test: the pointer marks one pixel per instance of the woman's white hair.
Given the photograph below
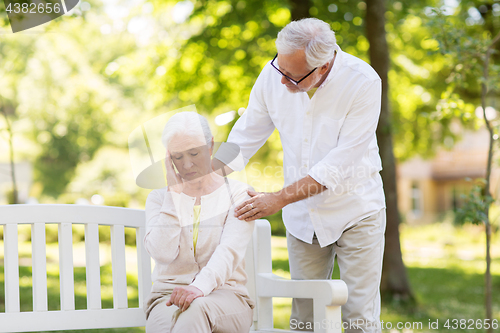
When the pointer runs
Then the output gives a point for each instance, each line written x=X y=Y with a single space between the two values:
x=187 y=123
x=313 y=36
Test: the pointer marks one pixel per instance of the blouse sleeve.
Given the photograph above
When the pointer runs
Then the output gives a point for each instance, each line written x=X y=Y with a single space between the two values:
x=163 y=229
x=229 y=253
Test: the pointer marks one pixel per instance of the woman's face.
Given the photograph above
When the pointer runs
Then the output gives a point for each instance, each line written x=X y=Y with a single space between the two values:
x=191 y=156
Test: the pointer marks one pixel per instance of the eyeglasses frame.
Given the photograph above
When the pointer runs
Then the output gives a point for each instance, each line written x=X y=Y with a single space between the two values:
x=286 y=76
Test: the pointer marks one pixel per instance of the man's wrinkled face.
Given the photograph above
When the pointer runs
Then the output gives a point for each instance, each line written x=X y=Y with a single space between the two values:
x=295 y=66
x=191 y=156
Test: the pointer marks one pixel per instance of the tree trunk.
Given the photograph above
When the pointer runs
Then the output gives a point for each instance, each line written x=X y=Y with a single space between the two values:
x=487 y=277
x=300 y=9
x=14 y=199
x=487 y=193
x=394 y=278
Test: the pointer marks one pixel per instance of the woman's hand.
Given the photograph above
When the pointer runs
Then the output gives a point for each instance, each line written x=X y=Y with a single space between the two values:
x=183 y=296
x=174 y=180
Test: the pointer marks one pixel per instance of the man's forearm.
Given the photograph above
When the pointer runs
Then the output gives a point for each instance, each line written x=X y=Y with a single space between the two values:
x=301 y=189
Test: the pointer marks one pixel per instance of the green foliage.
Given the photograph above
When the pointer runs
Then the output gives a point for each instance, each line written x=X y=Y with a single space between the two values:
x=464 y=42
x=465 y=45
x=417 y=83
x=475 y=206
x=213 y=58
x=277 y=225
x=80 y=93
x=4 y=19
x=61 y=154
x=61 y=100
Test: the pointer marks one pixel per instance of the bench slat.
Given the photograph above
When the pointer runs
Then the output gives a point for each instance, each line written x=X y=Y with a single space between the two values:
x=92 y=267
x=82 y=214
x=11 y=261
x=66 y=274
x=39 y=264
x=74 y=320
x=143 y=266
x=118 y=266
x=328 y=296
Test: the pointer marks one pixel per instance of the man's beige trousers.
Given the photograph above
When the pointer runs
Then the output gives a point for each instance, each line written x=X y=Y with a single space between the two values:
x=359 y=253
x=223 y=311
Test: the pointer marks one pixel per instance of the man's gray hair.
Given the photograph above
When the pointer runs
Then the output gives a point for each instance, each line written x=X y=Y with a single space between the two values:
x=313 y=36
x=187 y=123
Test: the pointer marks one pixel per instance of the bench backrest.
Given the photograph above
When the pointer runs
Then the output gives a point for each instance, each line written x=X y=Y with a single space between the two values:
x=65 y=216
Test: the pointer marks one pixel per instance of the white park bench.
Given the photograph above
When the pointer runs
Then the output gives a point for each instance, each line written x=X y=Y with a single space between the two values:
x=263 y=285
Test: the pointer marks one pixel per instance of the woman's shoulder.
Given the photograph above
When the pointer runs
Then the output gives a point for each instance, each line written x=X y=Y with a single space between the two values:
x=238 y=186
x=157 y=194
x=239 y=190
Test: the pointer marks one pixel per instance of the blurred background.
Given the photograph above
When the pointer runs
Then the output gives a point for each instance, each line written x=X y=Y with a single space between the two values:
x=74 y=89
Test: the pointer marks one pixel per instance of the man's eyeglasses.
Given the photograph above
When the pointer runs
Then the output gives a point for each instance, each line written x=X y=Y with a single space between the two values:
x=295 y=82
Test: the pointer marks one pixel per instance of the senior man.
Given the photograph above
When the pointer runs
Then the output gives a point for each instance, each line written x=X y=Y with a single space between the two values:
x=325 y=104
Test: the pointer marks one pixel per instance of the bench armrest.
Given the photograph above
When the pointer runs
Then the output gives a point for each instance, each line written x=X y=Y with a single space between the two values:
x=331 y=292
x=327 y=295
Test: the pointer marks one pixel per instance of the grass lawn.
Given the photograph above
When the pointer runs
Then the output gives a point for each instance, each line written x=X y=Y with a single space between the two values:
x=445 y=266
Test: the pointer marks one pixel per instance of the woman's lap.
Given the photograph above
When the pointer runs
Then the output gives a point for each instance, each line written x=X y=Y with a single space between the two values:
x=222 y=311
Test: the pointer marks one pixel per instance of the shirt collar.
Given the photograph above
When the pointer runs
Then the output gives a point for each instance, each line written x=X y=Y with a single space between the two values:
x=336 y=66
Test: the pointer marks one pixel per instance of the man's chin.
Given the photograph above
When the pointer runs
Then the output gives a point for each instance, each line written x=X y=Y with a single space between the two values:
x=293 y=90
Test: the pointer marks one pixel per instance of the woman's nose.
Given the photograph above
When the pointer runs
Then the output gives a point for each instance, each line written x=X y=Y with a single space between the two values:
x=188 y=163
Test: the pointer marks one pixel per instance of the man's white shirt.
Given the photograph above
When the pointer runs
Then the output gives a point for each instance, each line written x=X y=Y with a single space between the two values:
x=330 y=137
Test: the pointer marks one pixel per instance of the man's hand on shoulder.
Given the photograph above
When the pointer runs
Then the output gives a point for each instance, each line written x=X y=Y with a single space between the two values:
x=259 y=205
x=264 y=204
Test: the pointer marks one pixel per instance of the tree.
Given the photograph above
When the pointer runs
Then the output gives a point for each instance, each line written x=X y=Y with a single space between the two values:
x=63 y=84
x=471 y=49
x=9 y=74
x=300 y=9
x=394 y=278
x=6 y=110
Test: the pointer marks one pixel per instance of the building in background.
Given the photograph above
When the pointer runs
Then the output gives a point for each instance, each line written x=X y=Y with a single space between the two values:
x=429 y=188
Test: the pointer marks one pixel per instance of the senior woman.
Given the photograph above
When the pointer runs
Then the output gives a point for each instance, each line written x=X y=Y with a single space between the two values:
x=197 y=243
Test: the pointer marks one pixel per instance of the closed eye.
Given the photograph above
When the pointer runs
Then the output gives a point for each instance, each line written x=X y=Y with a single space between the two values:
x=194 y=154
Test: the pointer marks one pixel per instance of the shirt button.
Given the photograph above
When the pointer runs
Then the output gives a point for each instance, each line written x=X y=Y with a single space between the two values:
x=312 y=210
x=305 y=165
x=305 y=140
